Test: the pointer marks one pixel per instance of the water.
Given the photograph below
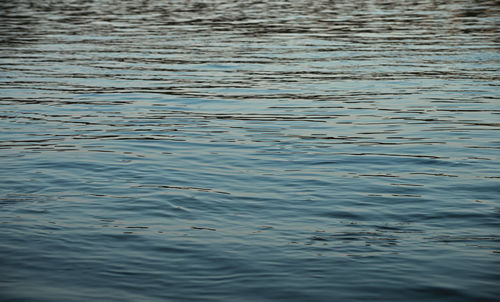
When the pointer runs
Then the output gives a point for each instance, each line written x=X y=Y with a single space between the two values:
x=249 y=151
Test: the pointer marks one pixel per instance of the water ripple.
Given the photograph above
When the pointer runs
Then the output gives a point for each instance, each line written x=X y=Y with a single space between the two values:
x=247 y=150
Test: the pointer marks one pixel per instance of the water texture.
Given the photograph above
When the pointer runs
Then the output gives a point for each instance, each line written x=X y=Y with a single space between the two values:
x=249 y=150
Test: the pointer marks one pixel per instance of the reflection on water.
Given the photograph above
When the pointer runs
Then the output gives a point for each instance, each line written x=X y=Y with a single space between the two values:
x=249 y=150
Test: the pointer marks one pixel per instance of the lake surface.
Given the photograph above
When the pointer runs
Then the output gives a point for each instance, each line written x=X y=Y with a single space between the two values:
x=249 y=150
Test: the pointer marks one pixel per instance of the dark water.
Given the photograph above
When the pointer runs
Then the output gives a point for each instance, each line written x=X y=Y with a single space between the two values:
x=249 y=150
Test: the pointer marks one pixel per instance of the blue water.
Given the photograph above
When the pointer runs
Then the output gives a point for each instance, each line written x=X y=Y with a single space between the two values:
x=249 y=151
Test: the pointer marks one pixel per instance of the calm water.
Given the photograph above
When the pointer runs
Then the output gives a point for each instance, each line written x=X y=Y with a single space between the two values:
x=249 y=150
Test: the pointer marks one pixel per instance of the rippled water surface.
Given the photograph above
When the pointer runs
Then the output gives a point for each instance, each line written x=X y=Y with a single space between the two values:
x=249 y=150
